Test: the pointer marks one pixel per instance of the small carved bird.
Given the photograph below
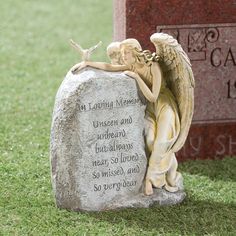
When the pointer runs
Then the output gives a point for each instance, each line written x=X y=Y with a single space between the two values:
x=85 y=53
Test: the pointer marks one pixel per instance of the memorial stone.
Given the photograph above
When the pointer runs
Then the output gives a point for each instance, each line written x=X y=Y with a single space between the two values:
x=207 y=32
x=97 y=146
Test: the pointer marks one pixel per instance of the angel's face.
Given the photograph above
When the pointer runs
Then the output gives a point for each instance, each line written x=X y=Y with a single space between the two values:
x=115 y=57
x=127 y=56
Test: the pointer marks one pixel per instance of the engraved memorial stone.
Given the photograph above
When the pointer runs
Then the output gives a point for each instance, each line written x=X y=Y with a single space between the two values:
x=100 y=156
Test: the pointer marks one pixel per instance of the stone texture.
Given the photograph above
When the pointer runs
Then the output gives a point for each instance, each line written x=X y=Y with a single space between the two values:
x=97 y=145
x=160 y=197
x=207 y=32
x=130 y=16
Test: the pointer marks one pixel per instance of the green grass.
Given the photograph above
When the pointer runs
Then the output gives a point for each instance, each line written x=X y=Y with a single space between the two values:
x=34 y=57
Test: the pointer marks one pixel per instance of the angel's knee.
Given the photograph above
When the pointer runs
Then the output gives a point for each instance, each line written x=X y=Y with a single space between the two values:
x=149 y=133
x=150 y=138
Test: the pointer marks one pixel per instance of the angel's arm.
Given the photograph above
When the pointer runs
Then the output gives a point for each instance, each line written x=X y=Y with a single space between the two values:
x=99 y=65
x=153 y=93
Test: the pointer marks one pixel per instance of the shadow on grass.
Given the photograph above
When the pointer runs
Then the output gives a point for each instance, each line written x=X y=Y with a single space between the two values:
x=189 y=218
x=224 y=169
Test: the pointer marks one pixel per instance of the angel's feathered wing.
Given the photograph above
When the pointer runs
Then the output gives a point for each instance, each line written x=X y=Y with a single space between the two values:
x=179 y=76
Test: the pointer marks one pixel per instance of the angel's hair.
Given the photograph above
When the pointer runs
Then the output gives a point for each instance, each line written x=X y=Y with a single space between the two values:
x=132 y=44
x=141 y=56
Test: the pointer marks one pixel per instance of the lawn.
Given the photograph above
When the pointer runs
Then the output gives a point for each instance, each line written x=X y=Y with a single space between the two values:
x=34 y=57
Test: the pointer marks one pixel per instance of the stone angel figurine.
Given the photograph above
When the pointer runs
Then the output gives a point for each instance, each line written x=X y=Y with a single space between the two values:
x=166 y=80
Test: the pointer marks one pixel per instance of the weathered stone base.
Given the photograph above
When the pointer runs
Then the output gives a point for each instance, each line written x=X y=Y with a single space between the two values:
x=160 y=197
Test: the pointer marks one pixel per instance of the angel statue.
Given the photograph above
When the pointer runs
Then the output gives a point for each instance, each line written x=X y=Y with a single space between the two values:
x=166 y=80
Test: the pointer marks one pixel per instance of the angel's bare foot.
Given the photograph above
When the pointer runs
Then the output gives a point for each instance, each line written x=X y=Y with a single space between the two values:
x=148 y=188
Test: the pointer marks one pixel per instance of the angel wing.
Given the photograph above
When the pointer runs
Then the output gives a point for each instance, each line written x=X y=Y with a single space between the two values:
x=177 y=71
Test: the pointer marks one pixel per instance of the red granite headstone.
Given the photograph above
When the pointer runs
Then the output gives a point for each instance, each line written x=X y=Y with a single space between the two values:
x=207 y=32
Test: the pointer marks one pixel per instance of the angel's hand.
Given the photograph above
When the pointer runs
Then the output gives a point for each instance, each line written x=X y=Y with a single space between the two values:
x=131 y=74
x=76 y=68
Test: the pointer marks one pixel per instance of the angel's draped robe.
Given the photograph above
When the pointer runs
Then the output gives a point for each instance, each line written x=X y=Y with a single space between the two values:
x=162 y=117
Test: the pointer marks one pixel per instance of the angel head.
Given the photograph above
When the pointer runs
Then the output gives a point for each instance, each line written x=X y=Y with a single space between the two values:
x=113 y=52
x=130 y=51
